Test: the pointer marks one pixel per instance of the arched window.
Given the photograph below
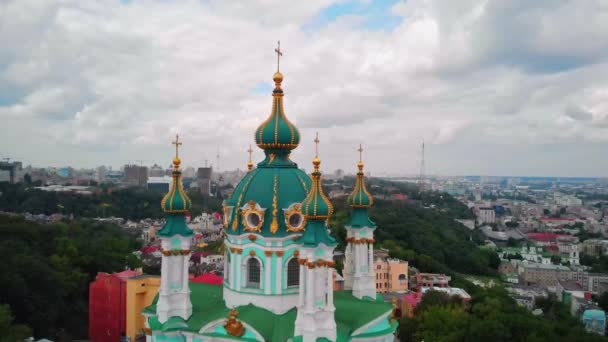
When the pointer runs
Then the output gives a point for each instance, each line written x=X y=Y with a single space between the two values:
x=253 y=273
x=293 y=272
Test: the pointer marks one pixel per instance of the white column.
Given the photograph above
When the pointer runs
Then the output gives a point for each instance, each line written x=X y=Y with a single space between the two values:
x=164 y=274
x=279 y=274
x=302 y=287
x=330 y=289
x=310 y=289
x=237 y=266
x=267 y=272
x=371 y=259
x=185 y=259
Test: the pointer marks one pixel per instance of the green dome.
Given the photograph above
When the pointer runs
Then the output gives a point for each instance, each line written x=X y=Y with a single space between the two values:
x=176 y=200
x=317 y=205
x=273 y=191
x=277 y=132
x=176 y=203
x=360 y=197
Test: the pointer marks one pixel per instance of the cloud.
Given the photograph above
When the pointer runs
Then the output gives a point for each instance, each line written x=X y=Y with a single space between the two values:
x=111 y=81
x=578 y=113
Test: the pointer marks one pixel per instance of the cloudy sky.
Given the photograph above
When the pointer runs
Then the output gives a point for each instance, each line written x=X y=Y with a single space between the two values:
x=514 y=87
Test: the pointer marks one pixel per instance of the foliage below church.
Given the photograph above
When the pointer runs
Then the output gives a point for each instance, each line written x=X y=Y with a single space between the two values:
x=46 y=270
x=424 y=232
x=491 y=316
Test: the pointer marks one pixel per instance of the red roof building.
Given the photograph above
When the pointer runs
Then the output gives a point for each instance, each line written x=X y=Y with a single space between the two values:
x=107 y=306
x=209 y=278
x=544 y=237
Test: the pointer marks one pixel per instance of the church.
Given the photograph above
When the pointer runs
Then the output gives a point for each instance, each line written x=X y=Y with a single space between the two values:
x=278 y=273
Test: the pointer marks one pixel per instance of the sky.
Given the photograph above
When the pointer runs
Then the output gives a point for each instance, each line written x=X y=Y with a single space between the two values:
x=510 y=88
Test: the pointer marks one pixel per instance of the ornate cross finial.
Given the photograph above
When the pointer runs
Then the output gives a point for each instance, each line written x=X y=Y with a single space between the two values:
x=279 y=53
x=249 y=151
x=360 y=149
x=317 y=141
x=176 y=143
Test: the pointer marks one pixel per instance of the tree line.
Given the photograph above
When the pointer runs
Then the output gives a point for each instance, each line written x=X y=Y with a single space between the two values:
x=46 y=271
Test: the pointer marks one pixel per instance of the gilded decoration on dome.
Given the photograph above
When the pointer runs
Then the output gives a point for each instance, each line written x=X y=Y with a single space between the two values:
x=294 y=219
x=253 y=216
x=274 y=225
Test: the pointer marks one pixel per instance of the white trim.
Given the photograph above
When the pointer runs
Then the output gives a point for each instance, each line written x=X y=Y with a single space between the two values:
x=209 y=327
x=365 y=327
x=277 y=304
x=245 y=236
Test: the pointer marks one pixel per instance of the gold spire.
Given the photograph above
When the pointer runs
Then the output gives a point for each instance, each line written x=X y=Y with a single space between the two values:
x=278 y=77
x=360 y=197
x=176 y=160
x=250 y=163
x=316 y=162
x=360 y=163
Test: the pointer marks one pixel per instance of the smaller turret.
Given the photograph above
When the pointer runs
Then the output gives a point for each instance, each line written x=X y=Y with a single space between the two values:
x=175 y=236
x=359 y=275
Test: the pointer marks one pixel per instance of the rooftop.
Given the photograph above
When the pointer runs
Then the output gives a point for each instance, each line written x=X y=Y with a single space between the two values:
x=208 y=305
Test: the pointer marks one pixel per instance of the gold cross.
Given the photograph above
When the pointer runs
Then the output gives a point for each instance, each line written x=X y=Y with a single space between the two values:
x=176 y=143
x=317 y=141
x=279 y=53
x=360 y=149
x=250 y=151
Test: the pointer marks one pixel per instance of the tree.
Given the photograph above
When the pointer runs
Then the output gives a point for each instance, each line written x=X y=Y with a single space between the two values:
x=8 y=331
x=433 y=298
x=443 y=324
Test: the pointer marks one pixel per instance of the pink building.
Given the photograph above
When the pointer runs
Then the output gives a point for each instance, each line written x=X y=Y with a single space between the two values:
x=391 y=275
x=432 y=280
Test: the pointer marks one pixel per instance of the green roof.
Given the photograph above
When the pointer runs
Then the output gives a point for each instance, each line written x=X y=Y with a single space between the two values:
x=277 y=132
x=359 y=218
x=208 y=306
x=315 y=234
x=176 y=200
x=360 y=197
x=316 y=205
x=276 y=177
x=175 y=225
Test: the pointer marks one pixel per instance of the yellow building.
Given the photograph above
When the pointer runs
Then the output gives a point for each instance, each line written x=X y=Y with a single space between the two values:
x=140 y=293
x=391 y=275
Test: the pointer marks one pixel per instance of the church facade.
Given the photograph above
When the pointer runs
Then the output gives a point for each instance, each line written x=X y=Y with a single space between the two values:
x=279 y=264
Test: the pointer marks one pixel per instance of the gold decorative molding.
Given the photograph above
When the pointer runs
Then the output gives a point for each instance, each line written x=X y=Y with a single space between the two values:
x=252 y=237
x=251 y=253
x=295 y=209
x=274 y=225
x=280 y=253
x=233 y=326
x=268 y=253
x=252 y=208
x=296 y=253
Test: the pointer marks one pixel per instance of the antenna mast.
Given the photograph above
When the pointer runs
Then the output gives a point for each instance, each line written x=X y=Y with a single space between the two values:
x=421 y=177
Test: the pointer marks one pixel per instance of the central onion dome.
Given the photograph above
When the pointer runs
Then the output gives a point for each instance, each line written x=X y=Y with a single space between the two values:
x=277 y=132
x=268 y=199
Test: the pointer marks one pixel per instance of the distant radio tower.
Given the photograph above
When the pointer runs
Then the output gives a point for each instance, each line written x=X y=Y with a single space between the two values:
x=218 y=158
x=421 y=177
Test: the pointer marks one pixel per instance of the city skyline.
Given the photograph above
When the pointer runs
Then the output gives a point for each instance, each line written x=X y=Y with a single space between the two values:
x=511 y=88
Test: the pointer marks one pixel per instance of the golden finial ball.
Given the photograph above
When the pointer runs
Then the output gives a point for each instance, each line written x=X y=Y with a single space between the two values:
x=176 y=161
x=316 y=161
x=277 y=77
x=360 y=165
